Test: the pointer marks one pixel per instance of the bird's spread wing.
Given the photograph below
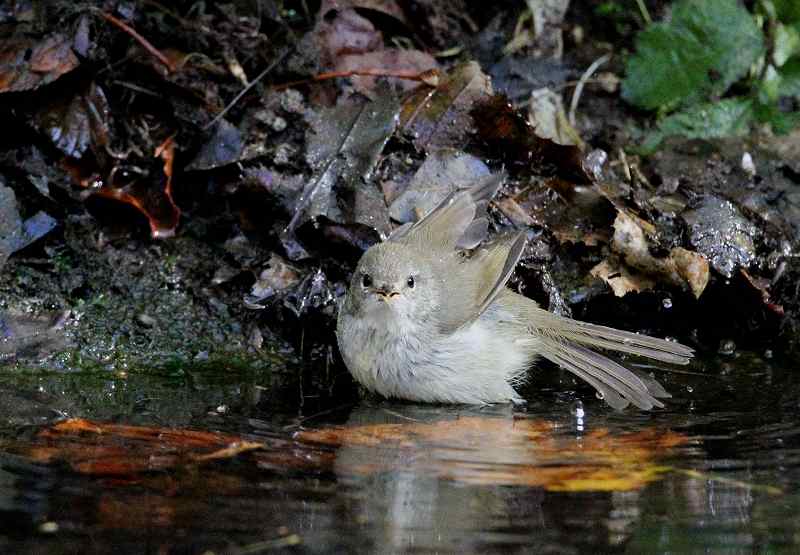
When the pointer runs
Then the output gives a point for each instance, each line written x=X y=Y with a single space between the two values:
x=493 y=267
x=481 y=278
x=459 y=221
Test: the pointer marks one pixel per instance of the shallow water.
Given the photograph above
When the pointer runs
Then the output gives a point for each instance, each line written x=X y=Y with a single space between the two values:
x=717 y=471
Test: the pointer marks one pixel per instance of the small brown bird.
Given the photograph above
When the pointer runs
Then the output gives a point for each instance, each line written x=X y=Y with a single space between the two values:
x=428 y=317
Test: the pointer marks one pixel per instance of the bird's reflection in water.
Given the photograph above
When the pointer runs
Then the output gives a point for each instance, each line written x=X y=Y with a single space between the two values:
x=464 y=479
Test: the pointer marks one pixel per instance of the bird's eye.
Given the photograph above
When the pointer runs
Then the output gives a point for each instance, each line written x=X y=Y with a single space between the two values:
x=366 y=280
x=410 y=282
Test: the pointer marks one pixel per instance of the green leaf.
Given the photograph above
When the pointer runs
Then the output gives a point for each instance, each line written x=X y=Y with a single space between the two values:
x=780 y=121
x=787 y=43
x=703 y=50
x=790 y=78
x=725 y=118
x=787 y=10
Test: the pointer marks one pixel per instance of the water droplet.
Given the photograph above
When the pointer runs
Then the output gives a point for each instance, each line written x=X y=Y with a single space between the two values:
x=600 y=396
x=667 y=302
x=689 y=388
x=768 y=353
x=726 y=347
x=577 y=409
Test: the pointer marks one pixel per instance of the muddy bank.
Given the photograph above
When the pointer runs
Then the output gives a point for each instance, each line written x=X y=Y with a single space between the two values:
x=199 y=198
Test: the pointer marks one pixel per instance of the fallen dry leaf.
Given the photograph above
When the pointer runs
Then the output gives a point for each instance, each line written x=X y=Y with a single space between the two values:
x=153 y=200
x=75 y=125
x=27 y=64
x=441 y=117
x=391 y=61
x=680 y=267
x=620 y=278
x=343 y=149
x=502 y=451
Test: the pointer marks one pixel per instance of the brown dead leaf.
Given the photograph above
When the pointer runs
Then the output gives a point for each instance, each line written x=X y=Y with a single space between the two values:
x=441 y=117
x=502 y=451
x=78 y=124
x=390 y=61
x=620 y=278
x=349 y=44
x=27 y=64
x=506 y=131
x=153 y=200
x=573 y=214
x=346 y=33
x=681 y=267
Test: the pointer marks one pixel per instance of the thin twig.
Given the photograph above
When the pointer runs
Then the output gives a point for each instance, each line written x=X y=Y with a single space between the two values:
x=249 y=86
x=138 y=38
x=429 y=77
x=576 y=95
x=644 y=12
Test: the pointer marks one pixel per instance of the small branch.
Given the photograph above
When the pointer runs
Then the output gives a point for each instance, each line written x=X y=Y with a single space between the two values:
x=249 y=86
x=429 y=77
x=643 y=10
x=138 y=38
x=576 y=95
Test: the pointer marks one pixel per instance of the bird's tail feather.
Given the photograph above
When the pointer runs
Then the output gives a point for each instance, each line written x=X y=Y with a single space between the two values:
x=603 y=337
x=617 y=385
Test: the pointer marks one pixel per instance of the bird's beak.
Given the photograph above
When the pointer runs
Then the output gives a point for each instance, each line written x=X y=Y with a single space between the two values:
x=385 y=294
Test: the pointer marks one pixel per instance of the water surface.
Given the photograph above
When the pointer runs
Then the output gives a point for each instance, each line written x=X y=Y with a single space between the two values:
x=714 y=472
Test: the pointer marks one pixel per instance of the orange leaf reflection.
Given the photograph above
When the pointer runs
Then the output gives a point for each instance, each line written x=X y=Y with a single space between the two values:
x=503 y=451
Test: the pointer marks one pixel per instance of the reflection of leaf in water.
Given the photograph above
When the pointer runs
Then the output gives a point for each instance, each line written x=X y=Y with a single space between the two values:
x=501 y=451
x=101 y=449
x=343 y=149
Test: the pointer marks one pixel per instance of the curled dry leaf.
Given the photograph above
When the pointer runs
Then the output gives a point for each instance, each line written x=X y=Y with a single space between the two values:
x=506 y=131
x=78 y=124
x=547 y=117
x=463 y=108
x=682 y=267
x=154 y=200
x=27 y=64
x=501 y=451
x=275 y=278
x=349 y=43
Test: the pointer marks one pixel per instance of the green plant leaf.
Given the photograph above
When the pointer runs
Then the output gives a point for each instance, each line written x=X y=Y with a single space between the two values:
x=780 y=121
x=703 y=50
x=790 y=78
x=727 y=117
x=787 y=10
x=786 y=43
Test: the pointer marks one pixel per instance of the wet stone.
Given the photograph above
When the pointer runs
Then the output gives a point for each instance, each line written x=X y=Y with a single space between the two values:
x=718 y=230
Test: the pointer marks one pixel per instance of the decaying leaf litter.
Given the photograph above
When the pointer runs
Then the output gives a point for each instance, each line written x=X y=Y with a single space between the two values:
x=193 y=184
